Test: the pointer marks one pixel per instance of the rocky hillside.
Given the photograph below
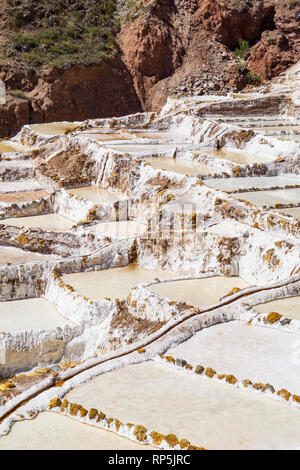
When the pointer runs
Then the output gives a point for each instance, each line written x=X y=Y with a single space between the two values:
x=78 y=59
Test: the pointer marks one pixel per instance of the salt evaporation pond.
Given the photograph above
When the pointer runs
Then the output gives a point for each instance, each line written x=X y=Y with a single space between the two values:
x=23 y=196
x=106 y=137
x=29 y=314
x=8 y=147
x=206 y=412
x=122 y=229
x=234 y=156
x=96 y=194
x=294 y=212
x=51 y=431
x=157 y=135
x=179 y=165
x=291 y=129
x=246 y=351
x=232 y=184
x=148 y=149
x=21 y=185
x=288 y=307
x=169 y=148
x=271 y=198
x=113 y=283
x=11 y=255
x=199 y=292
x=52 y=222
x=54 y=128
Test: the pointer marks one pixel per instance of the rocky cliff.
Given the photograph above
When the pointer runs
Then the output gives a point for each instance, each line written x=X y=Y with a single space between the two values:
x=129 y=56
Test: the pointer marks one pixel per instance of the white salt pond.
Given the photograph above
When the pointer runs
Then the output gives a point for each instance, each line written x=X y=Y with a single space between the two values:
x=29 y=314
x=288 y=307
x=52 y=222
x=113 y=283
x=13 y=186
x=51 y=431
x=10 y=255
x=294 y=212
x=270 y=198
x=246 y=351
x=199 y=292
x=232 y=184
x=54 y=128
x=122 y=229
x=96 y=194
x=179 y=165
x=208 y=413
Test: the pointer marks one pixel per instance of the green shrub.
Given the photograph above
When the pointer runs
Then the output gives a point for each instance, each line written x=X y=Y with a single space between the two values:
x=243 y=49
x=253 y=78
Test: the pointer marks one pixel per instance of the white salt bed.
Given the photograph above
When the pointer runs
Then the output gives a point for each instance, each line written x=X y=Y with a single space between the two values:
x=294 y=212
x=208 y=413
x=10 y=255
x=248 y=352
x=288 y=307
x=51 y=431
x=53 y=128
x=96 y=194
x=122 y=229
x=53 y=222
x=29 y=314
x=113 y=283
x=185 y=167
x=13 y=186
x=228 y=228
x=198 y=292
x=15 y=163
x=270 y=198
x=232 y=184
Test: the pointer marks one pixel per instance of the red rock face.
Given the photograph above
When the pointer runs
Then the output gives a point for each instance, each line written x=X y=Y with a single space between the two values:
x=280 y=48
x=74 y=94
x=188 y=46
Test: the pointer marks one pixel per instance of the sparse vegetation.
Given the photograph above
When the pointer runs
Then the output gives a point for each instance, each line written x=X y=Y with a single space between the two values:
x=243 y=49
x=18 y=94
x=60 y=33
x=253 y=78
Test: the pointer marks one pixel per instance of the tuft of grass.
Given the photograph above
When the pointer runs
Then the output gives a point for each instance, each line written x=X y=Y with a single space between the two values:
x=18 y=94
x=253 y=78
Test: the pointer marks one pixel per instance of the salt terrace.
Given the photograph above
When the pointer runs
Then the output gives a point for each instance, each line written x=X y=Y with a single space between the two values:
x=150 y=277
